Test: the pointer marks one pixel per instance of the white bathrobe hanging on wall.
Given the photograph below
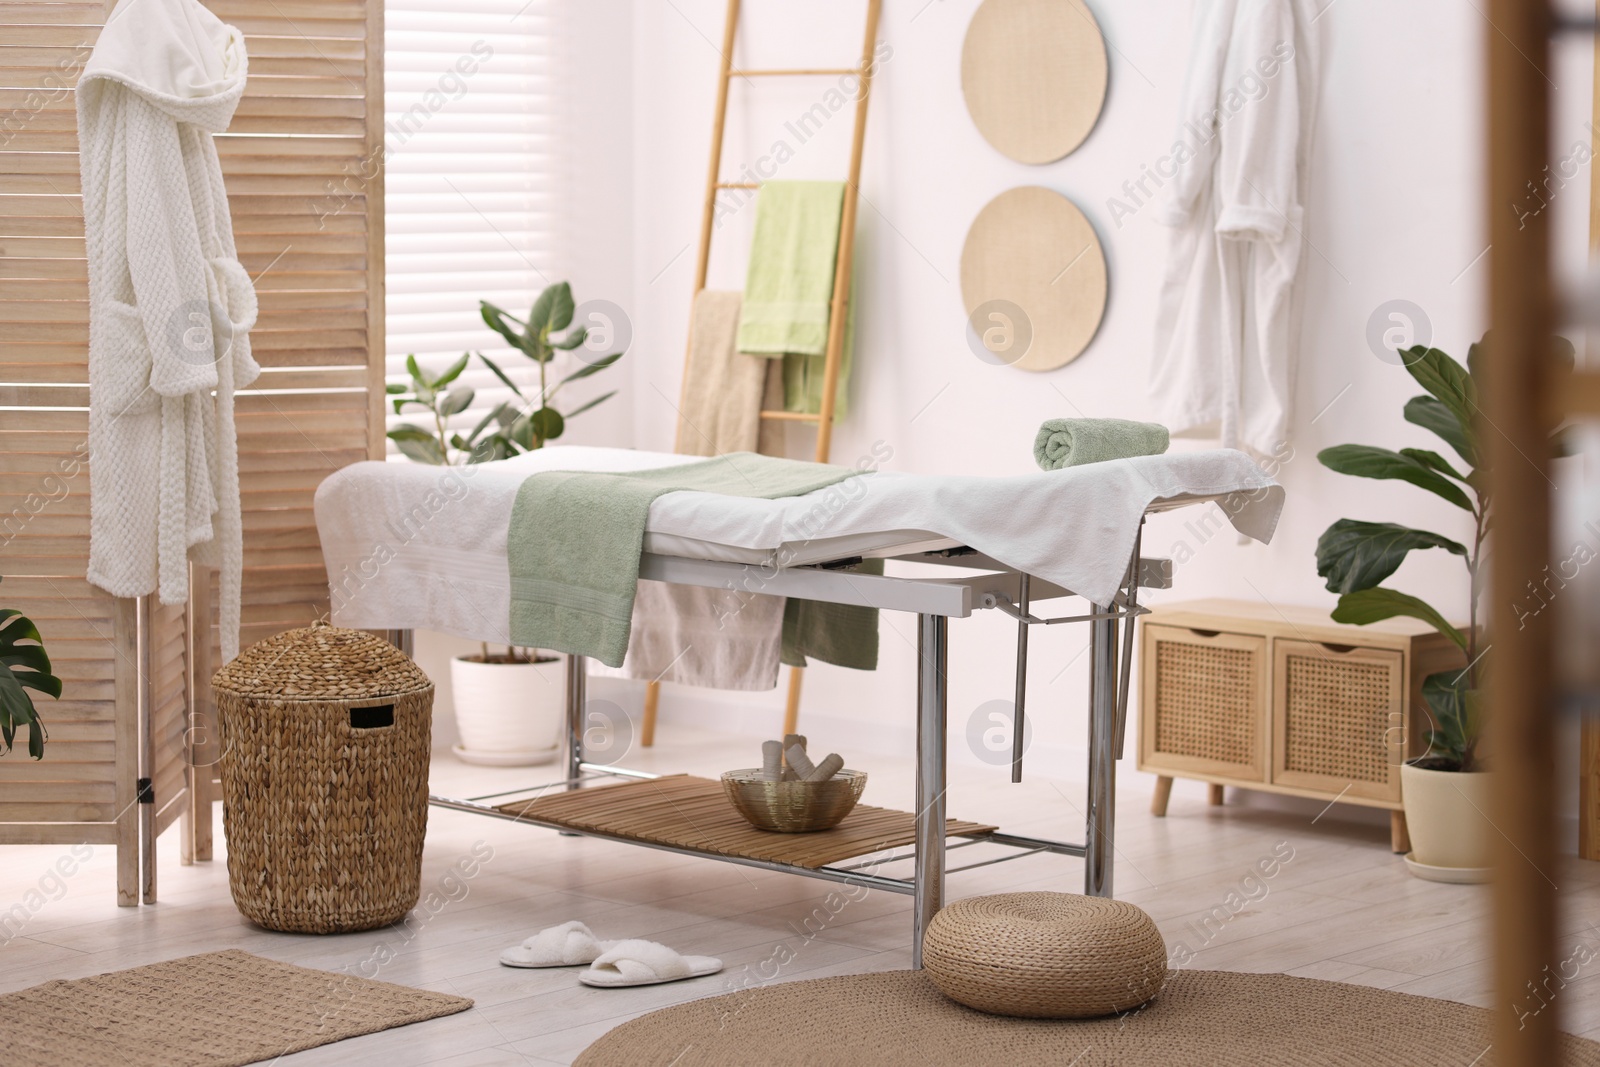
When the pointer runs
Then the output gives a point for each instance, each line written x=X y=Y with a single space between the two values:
x=169 y=303
x=1226 y=326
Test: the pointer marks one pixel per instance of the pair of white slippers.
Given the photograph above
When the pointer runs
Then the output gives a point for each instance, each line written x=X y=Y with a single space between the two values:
x=612 y=964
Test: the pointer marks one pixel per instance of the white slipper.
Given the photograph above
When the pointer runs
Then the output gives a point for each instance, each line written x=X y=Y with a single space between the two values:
x=631 y=963
x=571 y=944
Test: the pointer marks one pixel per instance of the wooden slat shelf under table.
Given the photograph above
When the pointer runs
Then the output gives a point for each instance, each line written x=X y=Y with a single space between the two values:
x=682 y=811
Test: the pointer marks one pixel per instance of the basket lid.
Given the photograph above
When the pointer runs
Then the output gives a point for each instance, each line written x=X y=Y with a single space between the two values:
x=321 y=663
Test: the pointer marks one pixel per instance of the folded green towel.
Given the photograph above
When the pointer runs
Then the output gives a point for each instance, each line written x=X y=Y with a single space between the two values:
x=789 y=287
x=576 y=537
x=841 y=634
x=1073 y=442
x=803 y=375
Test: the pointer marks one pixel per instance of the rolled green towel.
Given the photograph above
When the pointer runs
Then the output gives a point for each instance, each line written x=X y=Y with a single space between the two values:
x=1074 y=442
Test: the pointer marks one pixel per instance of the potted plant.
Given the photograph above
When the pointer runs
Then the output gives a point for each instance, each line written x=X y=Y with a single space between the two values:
x=24 y=665
x=510 y=706
x=1445 y=791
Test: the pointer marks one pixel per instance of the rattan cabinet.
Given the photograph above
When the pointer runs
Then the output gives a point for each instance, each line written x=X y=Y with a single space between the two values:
x=1285 y=700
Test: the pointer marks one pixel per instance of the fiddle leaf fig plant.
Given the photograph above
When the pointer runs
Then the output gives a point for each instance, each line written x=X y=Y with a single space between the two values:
x=24 y=665
x=511 y=427
x=1355 y=557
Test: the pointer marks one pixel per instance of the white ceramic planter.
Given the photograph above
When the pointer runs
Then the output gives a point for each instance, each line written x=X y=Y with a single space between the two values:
x=1445 y=814
x=508 y=714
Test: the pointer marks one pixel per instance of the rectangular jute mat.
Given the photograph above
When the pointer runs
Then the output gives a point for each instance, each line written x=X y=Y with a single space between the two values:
x=690 y=812
x=219 y=1009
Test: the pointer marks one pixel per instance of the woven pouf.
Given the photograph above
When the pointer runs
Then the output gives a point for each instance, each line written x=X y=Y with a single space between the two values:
x=1045 y=955
x=325 y=736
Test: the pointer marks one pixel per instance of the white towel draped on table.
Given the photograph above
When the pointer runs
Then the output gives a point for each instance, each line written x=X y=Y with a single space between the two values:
x=169 y=303
x=413 y=547
x=1226 y=329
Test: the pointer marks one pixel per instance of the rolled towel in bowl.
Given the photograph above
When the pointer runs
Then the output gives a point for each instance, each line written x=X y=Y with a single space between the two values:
x=1074 y=442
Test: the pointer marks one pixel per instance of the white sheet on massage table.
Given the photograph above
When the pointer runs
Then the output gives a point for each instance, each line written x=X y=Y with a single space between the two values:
x=415 y=547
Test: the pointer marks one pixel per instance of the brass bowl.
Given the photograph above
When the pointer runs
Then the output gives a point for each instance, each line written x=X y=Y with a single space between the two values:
x=793 y=807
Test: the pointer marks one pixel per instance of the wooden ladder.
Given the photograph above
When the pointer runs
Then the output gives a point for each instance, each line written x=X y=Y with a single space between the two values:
x=715 y=186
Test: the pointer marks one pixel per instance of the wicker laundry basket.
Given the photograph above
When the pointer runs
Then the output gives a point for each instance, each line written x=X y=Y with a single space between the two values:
x=325 y=739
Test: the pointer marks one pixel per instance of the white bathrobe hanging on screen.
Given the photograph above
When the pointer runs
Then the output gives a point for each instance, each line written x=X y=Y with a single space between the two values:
x=1226 y=326
x=169 y=304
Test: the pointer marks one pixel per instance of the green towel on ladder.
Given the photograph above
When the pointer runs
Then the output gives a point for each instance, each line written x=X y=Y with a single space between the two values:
x=789 y=289
x=576 y=538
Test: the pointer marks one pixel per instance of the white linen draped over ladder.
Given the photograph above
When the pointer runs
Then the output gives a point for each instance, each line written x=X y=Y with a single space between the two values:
x=169 y=303
x=1226 y=325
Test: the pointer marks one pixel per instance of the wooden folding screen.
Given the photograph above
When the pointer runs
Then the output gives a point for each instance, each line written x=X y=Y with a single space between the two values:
x=303 y=165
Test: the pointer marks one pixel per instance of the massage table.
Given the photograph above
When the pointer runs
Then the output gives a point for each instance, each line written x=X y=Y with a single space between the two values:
x=412 y=547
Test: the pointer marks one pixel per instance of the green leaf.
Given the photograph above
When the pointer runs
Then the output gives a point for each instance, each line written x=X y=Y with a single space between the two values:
x=539 y=314
x=520 y=432
x=22 y=654
x=1446 y=379
x=393 y=387
x=23 y=663
x=498 y=373
x=483 y=424
x=1367 y=606
x=1434 y=461
x=547 y=423
x=17 y=710
x=496 y=320
x=596 y=402
x=423 y=450
x=406 y=431
x=1369 y=461
x=1431 y=415
x=1457 y=714
x=561 y=308
x=572 y=340
x=1354 y=555
x=452 y=372
x=495 y=446
x=413 y=369
x=591 y=368
x=456 y=401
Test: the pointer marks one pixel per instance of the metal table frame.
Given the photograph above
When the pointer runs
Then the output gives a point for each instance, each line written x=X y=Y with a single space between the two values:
x=934 y=601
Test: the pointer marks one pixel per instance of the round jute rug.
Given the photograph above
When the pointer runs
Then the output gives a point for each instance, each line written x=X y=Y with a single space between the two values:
x=1201 y=1019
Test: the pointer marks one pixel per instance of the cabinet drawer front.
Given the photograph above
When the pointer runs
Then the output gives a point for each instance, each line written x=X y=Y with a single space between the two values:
x=1337 y=718
x=1204 y=702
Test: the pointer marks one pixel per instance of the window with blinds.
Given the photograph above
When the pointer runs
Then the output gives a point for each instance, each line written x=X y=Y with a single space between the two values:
x=475 y=135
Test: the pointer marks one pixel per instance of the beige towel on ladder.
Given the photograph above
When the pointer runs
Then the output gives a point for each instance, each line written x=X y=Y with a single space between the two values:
x=722 y=397
x=716 y=638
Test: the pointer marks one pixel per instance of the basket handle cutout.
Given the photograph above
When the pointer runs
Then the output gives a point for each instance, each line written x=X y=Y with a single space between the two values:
x=372 y=717
x=1204 y=633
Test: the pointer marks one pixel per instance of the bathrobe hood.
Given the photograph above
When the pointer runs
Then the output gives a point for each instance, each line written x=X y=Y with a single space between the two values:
x=170 y=306
x=175 y=54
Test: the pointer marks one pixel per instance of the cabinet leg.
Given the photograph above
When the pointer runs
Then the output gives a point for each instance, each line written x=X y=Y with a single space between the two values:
x=1158 y=802
x=1399 y=836
x=1214 y=794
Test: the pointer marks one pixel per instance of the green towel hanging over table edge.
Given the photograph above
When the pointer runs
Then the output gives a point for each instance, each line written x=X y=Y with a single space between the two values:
x=576 y=537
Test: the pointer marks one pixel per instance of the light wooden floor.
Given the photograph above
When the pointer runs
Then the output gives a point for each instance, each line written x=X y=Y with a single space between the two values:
x=1342 y=908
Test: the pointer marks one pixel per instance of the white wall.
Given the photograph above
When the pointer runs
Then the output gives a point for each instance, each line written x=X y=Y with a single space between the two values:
x=1394 y=214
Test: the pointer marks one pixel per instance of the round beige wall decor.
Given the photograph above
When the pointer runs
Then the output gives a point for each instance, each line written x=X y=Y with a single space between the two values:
x=1034 y=76
x=1033 y=280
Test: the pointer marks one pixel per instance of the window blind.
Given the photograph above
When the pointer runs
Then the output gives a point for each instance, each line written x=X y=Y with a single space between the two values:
x=475 y=139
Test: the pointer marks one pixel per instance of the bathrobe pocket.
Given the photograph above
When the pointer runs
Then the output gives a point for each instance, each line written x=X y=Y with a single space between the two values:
x=120 y=353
